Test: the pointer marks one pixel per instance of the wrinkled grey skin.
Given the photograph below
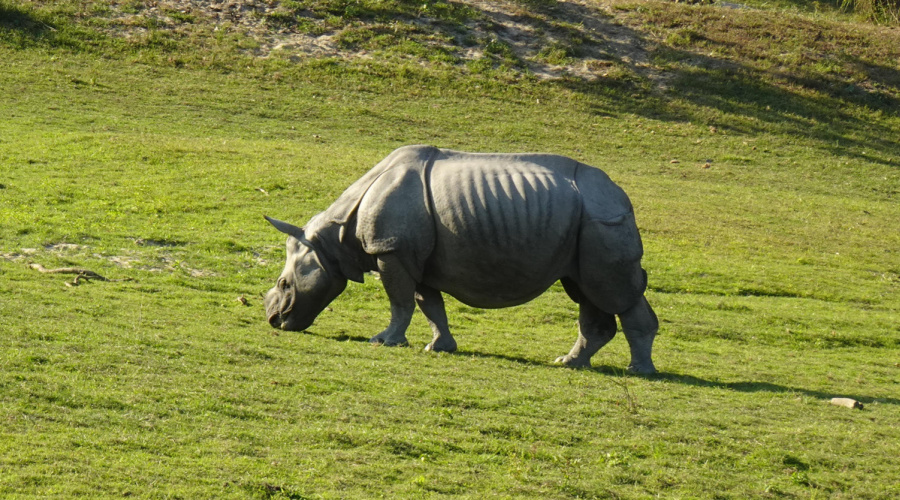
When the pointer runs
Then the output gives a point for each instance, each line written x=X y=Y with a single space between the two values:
x=492 y=230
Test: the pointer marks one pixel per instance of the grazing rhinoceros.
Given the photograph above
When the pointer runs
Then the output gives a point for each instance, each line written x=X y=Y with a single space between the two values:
x=492 y=230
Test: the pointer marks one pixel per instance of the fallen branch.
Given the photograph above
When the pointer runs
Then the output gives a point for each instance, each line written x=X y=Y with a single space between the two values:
x=82 y=274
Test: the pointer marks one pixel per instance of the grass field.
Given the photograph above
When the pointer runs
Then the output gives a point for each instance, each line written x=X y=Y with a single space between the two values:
x=759 y=148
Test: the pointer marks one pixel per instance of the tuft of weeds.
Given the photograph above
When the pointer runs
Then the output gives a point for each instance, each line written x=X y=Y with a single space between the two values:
x=879 y=11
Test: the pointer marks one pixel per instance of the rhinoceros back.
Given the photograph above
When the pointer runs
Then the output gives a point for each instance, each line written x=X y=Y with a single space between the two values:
x=505 y=225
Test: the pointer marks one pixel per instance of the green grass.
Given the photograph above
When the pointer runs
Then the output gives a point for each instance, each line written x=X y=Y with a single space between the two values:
x=774 y=270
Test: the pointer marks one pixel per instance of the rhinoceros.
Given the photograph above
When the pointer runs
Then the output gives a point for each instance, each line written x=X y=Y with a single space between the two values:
x=491 y=230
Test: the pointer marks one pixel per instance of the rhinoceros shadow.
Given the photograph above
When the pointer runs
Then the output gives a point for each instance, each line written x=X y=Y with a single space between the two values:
x=767 y=387
x=502 y=357
x=677 y=378
x=340 y=338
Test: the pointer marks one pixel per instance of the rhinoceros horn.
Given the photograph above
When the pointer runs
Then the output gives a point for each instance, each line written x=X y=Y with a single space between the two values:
x=286 y=228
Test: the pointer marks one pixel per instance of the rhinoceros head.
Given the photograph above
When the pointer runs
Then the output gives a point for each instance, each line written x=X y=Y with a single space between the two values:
x=307 y=285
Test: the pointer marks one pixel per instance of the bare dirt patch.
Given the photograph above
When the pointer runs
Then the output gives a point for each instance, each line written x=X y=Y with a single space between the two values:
x=567 y=38
x=158 y=260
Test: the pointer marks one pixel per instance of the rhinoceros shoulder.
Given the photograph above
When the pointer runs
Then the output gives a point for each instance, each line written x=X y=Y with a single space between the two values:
x=346 y=206
x=387 y=209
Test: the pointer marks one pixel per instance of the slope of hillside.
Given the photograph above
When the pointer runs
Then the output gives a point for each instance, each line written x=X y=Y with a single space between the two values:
x=802 y=73
x=546 y=38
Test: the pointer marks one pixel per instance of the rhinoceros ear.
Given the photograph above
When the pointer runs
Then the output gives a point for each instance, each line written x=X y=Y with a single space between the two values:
x=286 y=228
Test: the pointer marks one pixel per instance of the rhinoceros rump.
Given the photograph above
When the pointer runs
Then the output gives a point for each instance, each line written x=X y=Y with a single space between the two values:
x=492 y=230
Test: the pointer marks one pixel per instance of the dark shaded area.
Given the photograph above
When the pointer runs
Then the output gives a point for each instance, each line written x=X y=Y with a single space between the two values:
x=475 y=354
x=341 y=338
x=766 y=387
x=827 y=97
x=824 y=106
x=691 y=380
x=16 y=19
x=503 y=357
x=747 y=387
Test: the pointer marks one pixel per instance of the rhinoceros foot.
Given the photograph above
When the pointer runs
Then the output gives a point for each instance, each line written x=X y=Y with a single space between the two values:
x=442 y=345
x=573 y=361
x=642 y=369
x=390 y=341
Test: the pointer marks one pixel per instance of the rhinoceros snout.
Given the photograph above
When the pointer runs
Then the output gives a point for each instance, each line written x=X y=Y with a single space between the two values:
x=275 y=320
x=275 y=313
x=284 y=320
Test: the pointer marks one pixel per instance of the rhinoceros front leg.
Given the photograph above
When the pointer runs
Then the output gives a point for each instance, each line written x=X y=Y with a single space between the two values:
x=640 y=325
x=400 y=288
x=595 y=329
x=432 y=305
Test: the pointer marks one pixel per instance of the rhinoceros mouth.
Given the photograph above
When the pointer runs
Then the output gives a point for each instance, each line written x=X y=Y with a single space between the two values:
x=279 y=308
x=283 y=321
x=276 y=321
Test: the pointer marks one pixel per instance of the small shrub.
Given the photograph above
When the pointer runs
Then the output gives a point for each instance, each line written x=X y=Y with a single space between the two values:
x=280 y=18
x=559 y=53
x=684 y=38
x=181 y=17
x=500 y=50
x=885 y=11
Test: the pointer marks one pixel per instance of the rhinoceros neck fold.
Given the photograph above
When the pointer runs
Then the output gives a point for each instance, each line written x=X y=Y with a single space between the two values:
x=344 y=253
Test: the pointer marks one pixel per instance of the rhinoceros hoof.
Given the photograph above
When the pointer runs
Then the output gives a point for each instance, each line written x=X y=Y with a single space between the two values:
x=571 y=362
x=645 y=369
x=389 y=342
x=441 y=347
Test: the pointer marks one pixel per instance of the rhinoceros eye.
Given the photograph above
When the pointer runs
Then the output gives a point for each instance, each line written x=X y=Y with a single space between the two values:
x=283 y=284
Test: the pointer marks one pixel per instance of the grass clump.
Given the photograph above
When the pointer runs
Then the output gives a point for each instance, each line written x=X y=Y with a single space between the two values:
x=882 y=11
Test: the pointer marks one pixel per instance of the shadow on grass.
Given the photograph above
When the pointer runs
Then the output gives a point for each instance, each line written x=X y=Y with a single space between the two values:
x=341 y=338
x=764 y=387
x=616 y=371
x=23 y=26
x=748 y=387
x=473 y=354
x=828 y=97
x=16 y=19
x=503 y=357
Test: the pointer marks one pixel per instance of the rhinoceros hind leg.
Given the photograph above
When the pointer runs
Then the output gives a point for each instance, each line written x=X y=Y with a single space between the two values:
x=595 y=329
x=400 y=288
x=640 y=326
x=431 y=303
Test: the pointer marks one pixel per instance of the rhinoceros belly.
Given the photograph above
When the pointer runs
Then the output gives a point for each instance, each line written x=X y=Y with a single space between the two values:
x=506 y=226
